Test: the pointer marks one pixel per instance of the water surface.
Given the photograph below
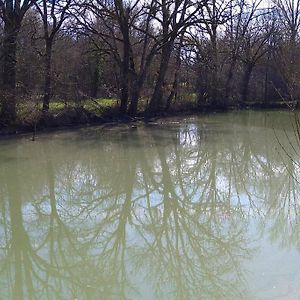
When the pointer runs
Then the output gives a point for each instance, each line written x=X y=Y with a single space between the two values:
x=189 y=208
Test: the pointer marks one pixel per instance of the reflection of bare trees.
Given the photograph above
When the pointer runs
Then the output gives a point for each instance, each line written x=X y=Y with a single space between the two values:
x=284 y=210
x=21 y=262
x=160 y=210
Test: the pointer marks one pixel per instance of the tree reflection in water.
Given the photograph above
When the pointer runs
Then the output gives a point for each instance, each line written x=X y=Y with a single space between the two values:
x=160 y=212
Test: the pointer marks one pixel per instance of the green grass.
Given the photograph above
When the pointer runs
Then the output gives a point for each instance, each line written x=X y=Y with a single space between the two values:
x=96 y=106
x=29 y=111
x=100 y=106
x=56 y=106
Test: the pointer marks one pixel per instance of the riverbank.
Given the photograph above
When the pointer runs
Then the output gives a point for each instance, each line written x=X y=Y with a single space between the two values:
x=72 y=117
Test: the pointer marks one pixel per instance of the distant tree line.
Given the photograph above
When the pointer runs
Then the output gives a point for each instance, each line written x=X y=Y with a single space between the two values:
x=154 y=52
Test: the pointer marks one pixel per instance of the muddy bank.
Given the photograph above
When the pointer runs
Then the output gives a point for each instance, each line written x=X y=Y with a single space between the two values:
x=74 y=118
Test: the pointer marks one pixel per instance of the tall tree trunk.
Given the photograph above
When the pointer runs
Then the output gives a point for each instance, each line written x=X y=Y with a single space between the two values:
x=173 y=93
x=135 y=95
x=174 y=90
x=266 y=84
x=246 y=80
x=8 y=111
x=202 y=85
x=124 y=83
x=125 y=71
x=47 y=83
x=157 y=96
x=214 y=84
x=138 y=80
x=95 y=79
x=123 y=19
x=229 y=81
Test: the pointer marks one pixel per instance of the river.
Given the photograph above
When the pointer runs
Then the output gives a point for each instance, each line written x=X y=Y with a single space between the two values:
x=202 y=207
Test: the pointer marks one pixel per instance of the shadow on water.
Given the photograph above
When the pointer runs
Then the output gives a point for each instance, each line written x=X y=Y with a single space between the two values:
x=153 y=213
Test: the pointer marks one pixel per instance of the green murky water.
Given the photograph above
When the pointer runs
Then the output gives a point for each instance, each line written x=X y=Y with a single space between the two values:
x=189 y=208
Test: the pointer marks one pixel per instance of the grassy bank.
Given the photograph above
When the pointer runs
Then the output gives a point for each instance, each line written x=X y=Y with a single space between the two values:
x=30 y=117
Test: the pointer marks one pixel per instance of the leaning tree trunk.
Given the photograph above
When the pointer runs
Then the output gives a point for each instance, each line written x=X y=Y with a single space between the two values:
x=174 y=90
x=47 y=83
x=173 y=93
x=157 y=96
x=138 y=83
x=8 y=111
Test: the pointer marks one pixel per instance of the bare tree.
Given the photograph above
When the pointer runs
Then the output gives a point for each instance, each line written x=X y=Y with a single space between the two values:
x=242 y=15
x=12 y=13
x=254 y=46
x=111 y=22
x=287 y=54
x=53 y=15
x=174 y=18
x=215 y=15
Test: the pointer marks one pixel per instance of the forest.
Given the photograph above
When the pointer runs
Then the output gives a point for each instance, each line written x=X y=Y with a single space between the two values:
x=77 y=61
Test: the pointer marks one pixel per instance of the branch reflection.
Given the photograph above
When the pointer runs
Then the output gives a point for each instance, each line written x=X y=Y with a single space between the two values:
x=159 y=212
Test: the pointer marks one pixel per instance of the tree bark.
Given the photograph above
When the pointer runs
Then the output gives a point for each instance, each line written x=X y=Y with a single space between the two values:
x=47 y=83
x=8 y=111
x=124 y=80
x=229 y=81
x=214 y=84
x=246 y=80
x=174 y=90
x=135 y=95
x=95 y=79
x=266 y=83
x=138 y=82
x=123 y=19
x=157 y=96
